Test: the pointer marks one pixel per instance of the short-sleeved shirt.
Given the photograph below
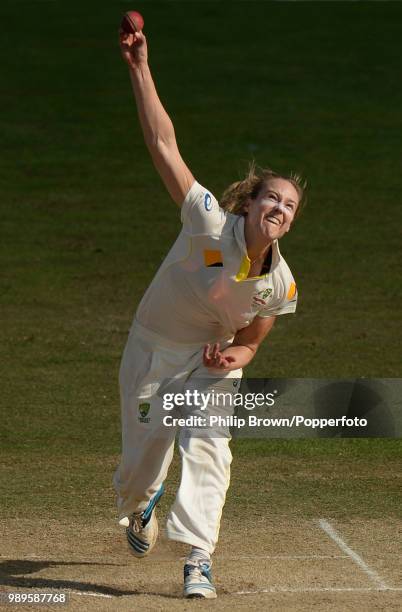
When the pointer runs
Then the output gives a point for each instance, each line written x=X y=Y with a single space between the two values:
x=201 y=292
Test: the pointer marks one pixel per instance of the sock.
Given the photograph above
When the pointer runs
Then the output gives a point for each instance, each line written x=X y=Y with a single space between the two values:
x=199 y=555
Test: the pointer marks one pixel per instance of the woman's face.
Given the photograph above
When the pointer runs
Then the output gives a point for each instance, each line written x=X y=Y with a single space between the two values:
x=270 y=215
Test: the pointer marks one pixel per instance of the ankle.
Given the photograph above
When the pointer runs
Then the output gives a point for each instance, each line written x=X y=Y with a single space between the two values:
x=198 y=555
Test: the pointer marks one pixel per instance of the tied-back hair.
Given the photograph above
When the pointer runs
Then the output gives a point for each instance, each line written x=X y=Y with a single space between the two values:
x=236 y=195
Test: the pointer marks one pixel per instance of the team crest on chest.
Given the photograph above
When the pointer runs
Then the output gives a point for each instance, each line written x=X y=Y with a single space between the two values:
x=259 y=299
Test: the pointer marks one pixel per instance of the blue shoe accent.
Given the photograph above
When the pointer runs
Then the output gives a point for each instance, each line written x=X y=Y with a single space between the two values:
x=146 y=515
x=205 y=569
x=142 y=531
x=138 y=545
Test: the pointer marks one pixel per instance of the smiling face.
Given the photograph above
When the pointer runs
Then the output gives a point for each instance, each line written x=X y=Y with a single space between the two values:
x=270 y=214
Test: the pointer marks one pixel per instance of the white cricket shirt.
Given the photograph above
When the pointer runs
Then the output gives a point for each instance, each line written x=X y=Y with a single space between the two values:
x=201 y=292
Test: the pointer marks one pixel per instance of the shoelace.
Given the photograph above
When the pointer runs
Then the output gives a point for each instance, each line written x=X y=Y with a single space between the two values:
x=196 y=569
x=136 y=522
x=195 y=572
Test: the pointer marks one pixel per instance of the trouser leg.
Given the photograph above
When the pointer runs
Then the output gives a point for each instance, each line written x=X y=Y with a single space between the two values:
x=196 y=513
x=144 y=464
x=147 y=445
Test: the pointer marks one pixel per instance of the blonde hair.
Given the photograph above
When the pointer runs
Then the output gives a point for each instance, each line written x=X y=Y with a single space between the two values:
x=235 y=197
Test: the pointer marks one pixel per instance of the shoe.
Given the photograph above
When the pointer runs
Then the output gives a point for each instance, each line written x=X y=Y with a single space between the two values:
x=198 y=580
x=142 y=531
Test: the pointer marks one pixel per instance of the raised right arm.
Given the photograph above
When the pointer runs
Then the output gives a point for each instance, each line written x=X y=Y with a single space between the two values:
x=156 y=124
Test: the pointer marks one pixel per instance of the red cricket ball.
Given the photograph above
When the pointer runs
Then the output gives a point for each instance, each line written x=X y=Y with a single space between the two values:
x=132 y=22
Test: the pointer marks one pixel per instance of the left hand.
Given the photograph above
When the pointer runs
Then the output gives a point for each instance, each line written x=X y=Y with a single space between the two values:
x=213 y=358
x=133 y=49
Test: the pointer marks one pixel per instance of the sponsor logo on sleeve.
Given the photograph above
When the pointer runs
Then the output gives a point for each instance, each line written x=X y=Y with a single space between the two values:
x=208 y=202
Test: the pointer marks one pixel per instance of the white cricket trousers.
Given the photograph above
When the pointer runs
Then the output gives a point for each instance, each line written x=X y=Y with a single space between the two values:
x=148 y=444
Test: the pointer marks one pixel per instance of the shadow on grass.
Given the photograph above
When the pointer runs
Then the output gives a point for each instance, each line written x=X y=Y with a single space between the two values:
x=11 y=570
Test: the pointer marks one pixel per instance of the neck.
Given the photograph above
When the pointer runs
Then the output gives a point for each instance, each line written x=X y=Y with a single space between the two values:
x=255 y=251
x=258 y=254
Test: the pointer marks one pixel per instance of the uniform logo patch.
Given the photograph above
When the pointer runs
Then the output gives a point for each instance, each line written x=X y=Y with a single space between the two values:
x=265 y=293
x=143 y=409
x=208 y=202
x=213 y=259
x=261 y=296
x=292 y=291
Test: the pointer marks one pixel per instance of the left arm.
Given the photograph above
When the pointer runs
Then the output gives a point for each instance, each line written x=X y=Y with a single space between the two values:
x=243 y=349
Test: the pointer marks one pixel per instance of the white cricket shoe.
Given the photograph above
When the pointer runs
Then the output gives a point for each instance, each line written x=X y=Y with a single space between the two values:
x=141 y=540
x=198 y=580
x=142 y=529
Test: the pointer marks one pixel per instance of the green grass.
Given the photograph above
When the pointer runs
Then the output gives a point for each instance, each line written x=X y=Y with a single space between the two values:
x=300 y=479
x=86 y=221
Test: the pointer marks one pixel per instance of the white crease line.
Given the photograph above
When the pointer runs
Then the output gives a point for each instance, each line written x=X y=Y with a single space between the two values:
x=91 y=594
x=318 y=590
x=281 y=557
x=334 y=535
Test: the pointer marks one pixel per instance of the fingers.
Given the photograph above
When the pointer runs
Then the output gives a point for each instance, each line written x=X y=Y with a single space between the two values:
x=215 y=350
x=133 y=47
x=230 y=359
x=213 y=358
x=205 y=354
x=125 y=37
x=126 y=41
x=215 y=355
x=131 y=38
x=139 y=37
x=211 y=353
x=221 y=362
